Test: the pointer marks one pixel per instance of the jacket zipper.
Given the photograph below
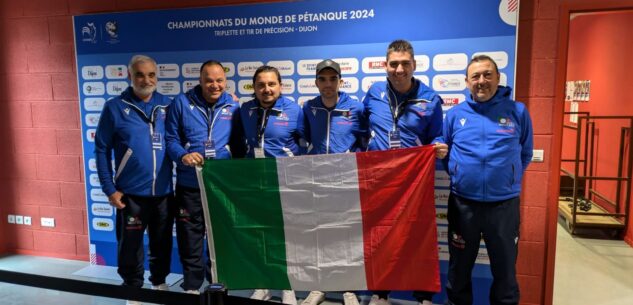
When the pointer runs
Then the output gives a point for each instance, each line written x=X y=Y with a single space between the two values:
x=151 y=133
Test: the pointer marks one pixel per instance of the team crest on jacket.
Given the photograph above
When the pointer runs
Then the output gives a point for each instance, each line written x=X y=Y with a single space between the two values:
x=127 y=111
x=462 y=121
x=191 y=106
x=505 y=122
x=314 y=111
x=420 y=105
x=282 y=116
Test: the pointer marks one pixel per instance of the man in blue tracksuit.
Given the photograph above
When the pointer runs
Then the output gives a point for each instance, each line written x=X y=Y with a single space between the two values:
x=403 y=112
x=334 y=122
x=272 y=126
x=133 y=126
x=490 y=146
x=202 y=123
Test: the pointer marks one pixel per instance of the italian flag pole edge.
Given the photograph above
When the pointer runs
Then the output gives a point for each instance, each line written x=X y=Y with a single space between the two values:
x=207 y=223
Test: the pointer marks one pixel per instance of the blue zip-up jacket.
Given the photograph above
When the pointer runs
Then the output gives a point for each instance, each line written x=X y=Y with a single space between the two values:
x=283 y=127
x=337 y=130
x=490 y=146
x=419 y=115
x=126 y=126
x=187 y=129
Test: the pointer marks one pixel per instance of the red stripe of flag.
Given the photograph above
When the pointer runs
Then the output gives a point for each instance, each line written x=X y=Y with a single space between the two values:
x=400 y=236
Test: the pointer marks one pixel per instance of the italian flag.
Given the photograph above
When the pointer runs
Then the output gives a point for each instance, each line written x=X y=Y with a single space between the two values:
x=339 y=222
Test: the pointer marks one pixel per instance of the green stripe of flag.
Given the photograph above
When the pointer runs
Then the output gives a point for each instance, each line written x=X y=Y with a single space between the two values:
x=239 y=215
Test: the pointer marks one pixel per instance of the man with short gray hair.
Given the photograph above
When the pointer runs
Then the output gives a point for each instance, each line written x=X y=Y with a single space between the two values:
x=132 y=127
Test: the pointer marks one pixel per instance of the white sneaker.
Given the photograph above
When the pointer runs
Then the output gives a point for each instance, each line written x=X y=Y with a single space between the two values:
x=349 y=298
x=288 y=297
x=376 y=300
x=261 y=294
x=314 y=298
x=162 y=287
x=192 y=291
x=130 y=302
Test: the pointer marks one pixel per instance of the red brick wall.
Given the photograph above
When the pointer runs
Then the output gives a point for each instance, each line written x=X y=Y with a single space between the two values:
x=536 y=63
x=41 y=173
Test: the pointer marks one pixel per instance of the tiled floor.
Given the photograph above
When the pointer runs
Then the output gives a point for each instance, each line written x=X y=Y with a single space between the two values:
x=588 y=271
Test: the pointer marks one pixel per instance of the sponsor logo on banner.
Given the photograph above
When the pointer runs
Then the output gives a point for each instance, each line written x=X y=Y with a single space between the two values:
x=191 y=70
x=91 y=133
x=168 y=71
x=168 y=87
x=307 y=86
x=449 y=82
x=442 y=178
x=248 y=68
x=102 y=224
x=441 y=216
x=307 y=66
x=98 y=195
x=285 y=67
x=442 y=233
x=245 y=99
x=374 y=64
x=245 y=86
x=348 y=65
x=112 y=29
x=508 y=11
x=189 y=84
x=370 y=80
x=423 y=78
x=500 y=58
x=304 y=99
x=450 y=62
x=442 y=251
x=350 y=85
x=89 y=32
x=116 y=71
x=422 y=63
x=287 y=86
x=92 y=164
x=92 y=72
x=482 y=257
x=503 y=79
x=116 y=88
x=451 y=100
x=94 y=103
x=94 y=180
x=102 y=209
x=230 y=86
x=441 y=197
x=92 y=119
x=229 y=69
x=93 y=88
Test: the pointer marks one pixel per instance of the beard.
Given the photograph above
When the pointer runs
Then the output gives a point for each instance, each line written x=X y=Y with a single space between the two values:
x=144 y=91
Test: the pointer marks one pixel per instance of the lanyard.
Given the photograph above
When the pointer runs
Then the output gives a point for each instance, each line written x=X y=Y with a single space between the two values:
x=210 y=121
x=262 y=121
x=394 y=108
